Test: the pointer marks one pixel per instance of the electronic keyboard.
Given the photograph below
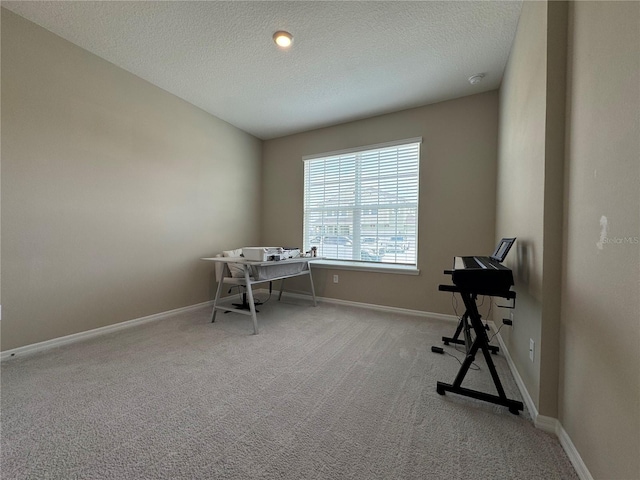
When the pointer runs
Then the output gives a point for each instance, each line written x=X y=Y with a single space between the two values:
x=480 y=274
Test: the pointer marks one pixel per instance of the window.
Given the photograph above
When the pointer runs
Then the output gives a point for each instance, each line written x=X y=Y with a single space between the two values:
x=362 y=204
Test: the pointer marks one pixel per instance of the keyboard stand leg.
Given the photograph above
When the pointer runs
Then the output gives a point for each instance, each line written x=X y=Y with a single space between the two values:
x=455 y=339
x=463 y=325
x=481 y=342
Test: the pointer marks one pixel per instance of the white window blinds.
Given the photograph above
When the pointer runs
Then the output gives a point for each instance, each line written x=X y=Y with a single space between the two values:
x=362 y=205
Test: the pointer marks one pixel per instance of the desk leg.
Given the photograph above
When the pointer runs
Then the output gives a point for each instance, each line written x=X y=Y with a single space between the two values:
x=281 y=289
x=313 y=290
x=252 y=306
x=215 y=302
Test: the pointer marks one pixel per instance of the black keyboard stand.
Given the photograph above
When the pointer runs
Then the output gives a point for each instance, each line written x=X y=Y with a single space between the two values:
x=480 y=342
x=465 y=327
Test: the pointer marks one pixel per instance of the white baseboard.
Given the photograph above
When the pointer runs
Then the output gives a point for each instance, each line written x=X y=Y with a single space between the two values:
x=370 y=306
x=553 y=425
x=544 y=423
x=572 y=453
x=531 y=406
x=56 y=342
x=547 y=424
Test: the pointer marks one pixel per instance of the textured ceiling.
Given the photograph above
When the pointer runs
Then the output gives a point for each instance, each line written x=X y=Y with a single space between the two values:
x=349 y=59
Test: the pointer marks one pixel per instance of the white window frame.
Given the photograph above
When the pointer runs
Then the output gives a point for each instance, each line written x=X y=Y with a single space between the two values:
x=387 y=265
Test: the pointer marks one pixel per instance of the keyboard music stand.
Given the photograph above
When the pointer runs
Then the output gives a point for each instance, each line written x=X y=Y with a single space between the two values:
x=480 y=342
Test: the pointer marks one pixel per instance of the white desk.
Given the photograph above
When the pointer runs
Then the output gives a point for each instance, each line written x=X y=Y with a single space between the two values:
x=248 y=280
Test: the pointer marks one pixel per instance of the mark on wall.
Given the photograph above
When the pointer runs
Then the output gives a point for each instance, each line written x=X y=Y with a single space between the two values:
x=605 y=239
x=523 y=261
x=603 y=232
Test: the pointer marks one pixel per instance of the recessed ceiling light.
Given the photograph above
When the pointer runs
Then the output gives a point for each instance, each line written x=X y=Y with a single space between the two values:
x=475 y=79
x=283 y=39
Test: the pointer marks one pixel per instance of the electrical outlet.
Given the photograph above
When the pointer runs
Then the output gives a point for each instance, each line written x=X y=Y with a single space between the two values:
x=335 y=279
x=532 y=348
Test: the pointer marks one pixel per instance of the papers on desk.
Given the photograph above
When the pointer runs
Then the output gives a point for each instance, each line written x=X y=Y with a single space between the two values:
x=265 y=254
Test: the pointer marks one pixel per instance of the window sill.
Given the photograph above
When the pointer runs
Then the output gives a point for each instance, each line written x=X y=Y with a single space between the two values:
x=367 y=267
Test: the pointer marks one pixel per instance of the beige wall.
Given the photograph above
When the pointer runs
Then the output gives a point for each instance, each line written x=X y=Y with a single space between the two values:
x=112 y=189
x=457 y=195
x=600 y=340
x=569 y=154
x=520 y=183
x=555 y=121
x=530 y=192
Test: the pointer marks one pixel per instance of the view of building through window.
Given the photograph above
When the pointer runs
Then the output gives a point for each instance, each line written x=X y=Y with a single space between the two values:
x=363 y=204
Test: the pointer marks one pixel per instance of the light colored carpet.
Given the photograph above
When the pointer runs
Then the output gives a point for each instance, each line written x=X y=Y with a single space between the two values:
x=331 y=392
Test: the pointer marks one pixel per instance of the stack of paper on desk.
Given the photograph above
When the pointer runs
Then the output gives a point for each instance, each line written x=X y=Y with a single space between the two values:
x=265 y=254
